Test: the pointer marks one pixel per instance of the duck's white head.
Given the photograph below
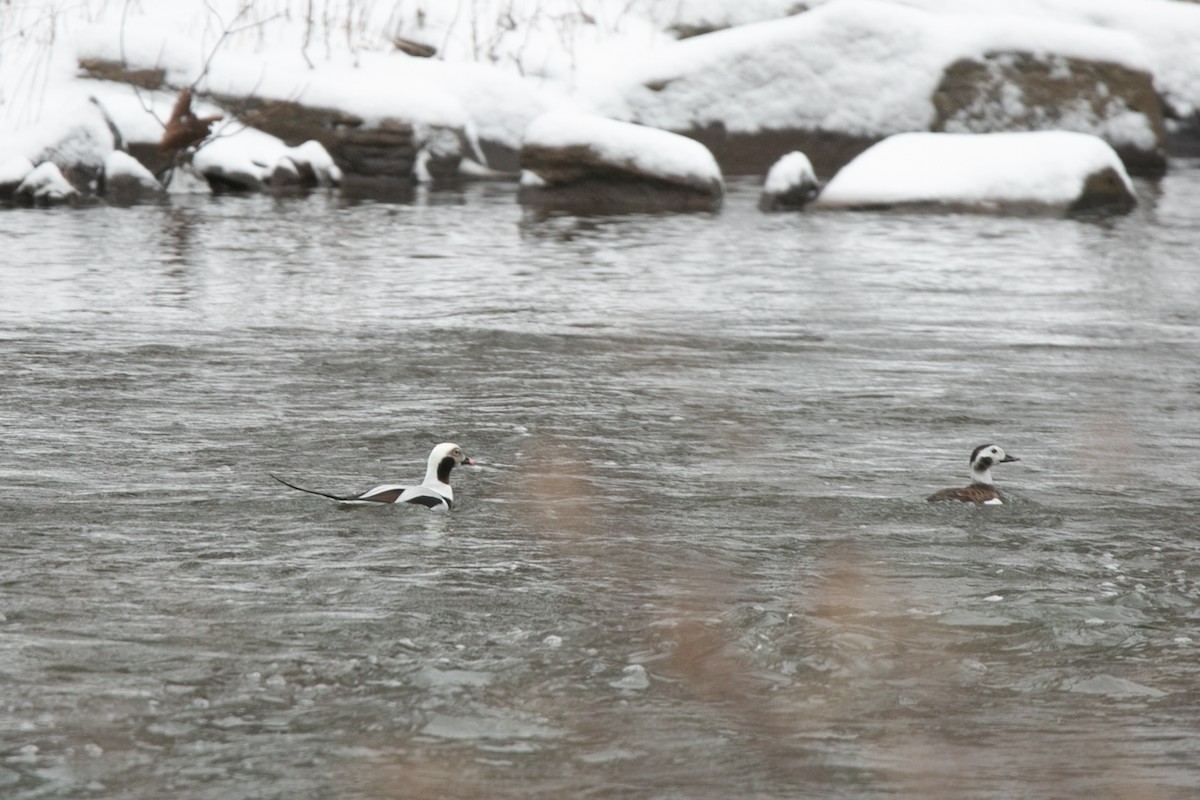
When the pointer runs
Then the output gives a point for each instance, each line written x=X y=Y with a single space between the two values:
x=984 y=457
x=445 y=457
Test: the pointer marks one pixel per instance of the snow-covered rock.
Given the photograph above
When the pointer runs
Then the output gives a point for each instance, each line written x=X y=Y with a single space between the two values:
x=790 y=184
x=46 y=186
x=833 y=80
x=383 y=106
x=1037 y=172
x=245 y=159
x=126 y=181
x=1167 y=30
x=584 y=161
x=75 y=137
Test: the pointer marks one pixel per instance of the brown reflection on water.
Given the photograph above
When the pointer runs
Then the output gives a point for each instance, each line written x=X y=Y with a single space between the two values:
x=883 y=703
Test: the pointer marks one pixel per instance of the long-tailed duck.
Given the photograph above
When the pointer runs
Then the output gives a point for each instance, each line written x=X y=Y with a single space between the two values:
x=434 y=492
x=981 y=491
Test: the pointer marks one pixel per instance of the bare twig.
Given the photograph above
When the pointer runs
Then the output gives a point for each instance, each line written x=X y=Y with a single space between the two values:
x=308 y=26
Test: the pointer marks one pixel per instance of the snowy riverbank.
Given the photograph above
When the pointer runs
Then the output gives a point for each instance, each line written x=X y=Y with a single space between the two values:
x=313 y=94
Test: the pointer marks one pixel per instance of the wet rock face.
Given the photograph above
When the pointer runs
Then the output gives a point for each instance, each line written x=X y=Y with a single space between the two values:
x=1024 y=92
x=386 y=151
x=291 y=121
x=754 y=153
x=1104 y=190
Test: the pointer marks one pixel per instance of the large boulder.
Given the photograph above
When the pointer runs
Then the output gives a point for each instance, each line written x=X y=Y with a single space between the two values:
x=1022 y=91
x=1048 y=172
x=836 y=79
x=1166 y=29
x=587 y=164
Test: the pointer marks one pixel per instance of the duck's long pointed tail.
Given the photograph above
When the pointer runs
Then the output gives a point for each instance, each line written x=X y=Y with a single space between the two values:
x=339 y=498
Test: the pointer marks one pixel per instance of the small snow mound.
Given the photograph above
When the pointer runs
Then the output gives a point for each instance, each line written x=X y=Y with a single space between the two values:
x=789 y=172
x=313 y=156
x=791 y=183
x=119 y=164
x=1040 y=169
x=127 y=181
x=46 y=185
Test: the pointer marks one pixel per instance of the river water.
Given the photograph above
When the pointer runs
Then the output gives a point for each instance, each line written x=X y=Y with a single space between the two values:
x=694 y=560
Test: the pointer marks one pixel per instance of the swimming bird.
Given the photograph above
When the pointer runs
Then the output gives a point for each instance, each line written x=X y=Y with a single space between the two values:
x=434 y=492
x=981 y=491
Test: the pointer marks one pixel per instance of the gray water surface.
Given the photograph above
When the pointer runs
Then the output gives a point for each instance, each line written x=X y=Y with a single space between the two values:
x=694 y=561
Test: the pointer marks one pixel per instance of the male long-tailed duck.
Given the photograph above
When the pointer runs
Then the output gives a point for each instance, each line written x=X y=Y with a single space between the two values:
x=434 y=492
x=981 y=491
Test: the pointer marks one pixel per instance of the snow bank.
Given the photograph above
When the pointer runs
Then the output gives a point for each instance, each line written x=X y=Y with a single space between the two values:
x=861 y=67
x=274 y=63
x=648 y=151
x=1046 y=168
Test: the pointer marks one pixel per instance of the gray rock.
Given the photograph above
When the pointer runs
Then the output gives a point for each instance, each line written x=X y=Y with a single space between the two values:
x=126 y=181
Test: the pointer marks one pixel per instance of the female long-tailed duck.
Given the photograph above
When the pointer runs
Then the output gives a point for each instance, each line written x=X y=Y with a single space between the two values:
x=434 y=492
x=981 y=491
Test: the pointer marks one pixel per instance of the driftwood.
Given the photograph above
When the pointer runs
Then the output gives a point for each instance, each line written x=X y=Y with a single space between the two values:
x=417 y=49
x=184 y=128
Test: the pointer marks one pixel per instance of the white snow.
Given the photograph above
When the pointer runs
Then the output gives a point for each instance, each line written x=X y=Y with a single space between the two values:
x=75 y=134
x=1045 y=167
x=646 y=150
x=46 y=183
x=14 y=169
x=789 y=172
x=861 y=67
x=252 y=154
x=1168 y=31
x=119 y=163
